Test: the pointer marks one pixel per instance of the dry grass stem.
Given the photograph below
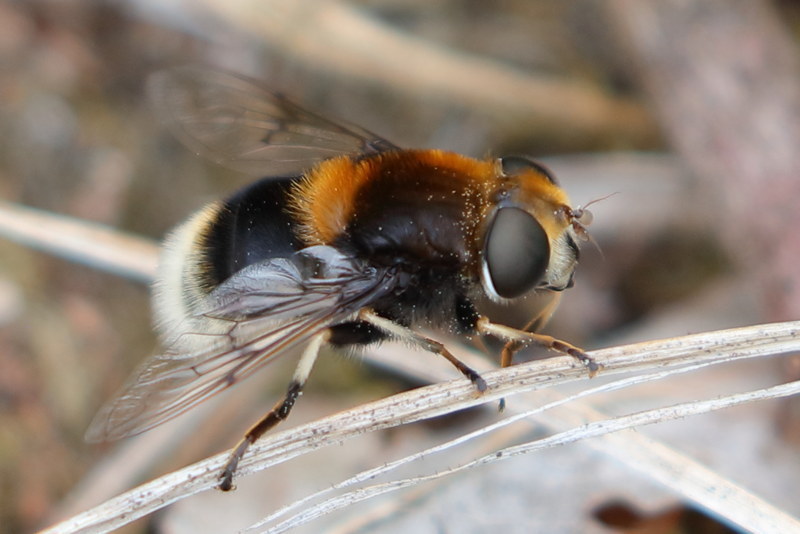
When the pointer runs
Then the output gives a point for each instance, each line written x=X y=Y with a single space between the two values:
x=446 y=397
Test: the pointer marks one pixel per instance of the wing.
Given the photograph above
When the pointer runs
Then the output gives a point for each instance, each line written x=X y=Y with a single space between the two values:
x=268 y=309
x=236 y=123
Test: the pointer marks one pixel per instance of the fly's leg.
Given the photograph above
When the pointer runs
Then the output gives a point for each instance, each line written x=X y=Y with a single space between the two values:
x=517 y=339
x=408 y=335
x=278 y=413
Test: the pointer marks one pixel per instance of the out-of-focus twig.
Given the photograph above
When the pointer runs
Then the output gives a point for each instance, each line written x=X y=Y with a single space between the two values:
x=337 y=37
x=98 y=246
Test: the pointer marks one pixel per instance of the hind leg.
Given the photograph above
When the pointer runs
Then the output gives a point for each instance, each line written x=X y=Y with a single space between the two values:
x=278 y=413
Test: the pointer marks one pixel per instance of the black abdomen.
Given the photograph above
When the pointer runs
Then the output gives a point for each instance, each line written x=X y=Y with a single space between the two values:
x=253 y=226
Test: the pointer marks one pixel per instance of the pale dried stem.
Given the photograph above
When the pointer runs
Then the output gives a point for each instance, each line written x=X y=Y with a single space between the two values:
x=446 y=397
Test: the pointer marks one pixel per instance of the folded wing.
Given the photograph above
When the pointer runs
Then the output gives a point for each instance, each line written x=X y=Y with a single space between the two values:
x=269 y=309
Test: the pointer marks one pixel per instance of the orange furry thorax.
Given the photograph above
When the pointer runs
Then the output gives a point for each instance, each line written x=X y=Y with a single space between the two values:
x=326 y=199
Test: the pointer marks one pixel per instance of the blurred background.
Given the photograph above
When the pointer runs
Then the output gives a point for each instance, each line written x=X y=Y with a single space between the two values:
x=689 y=112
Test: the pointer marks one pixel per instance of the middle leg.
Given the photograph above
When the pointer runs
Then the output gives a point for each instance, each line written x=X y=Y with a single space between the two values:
x=406 y=334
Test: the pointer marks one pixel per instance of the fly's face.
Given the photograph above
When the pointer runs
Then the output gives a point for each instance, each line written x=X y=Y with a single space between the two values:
x=529 y=241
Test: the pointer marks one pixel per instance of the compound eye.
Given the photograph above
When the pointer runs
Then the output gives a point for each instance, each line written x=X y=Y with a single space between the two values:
x=512 y=165
x=517 y=253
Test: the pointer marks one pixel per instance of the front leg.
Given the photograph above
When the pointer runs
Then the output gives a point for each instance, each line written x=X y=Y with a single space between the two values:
x=517 y=339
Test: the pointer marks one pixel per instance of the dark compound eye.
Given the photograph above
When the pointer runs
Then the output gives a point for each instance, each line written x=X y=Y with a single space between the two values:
x=517 y=252
x=512 y=165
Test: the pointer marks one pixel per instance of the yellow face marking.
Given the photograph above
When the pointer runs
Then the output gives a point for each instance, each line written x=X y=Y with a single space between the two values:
x=545 y=201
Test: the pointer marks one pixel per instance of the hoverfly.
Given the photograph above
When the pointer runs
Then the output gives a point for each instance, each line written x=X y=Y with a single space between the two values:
x=346 y=240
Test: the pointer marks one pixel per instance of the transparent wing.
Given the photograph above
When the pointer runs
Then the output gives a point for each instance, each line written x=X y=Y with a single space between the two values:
x=270 y=308
x=236 y=123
